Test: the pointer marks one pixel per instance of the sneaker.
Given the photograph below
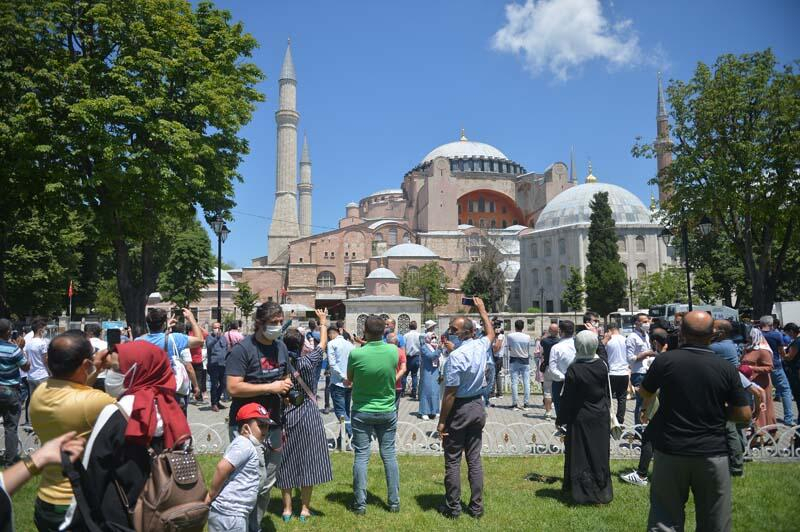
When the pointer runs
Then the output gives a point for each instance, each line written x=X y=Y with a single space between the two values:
x=358 y=511
x=444 y=511
x=394 y=509
x=634 y=478
x=526 y=407
x=548 y=416
x=516 y=408
x=426 y=418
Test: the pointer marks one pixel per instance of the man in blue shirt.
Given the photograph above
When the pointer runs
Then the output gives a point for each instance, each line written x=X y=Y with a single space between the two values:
x=462 y=414
x=341 y=393
x=722 y=345
x=779 y=381
x=217 y=352
x=391 y=325
x=12 y=359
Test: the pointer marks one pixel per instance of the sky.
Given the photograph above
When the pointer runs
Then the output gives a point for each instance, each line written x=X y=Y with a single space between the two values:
x=380 y=84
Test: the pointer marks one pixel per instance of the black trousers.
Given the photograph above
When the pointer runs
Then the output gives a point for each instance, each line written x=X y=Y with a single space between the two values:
x=498 y=386
x=200 y=372
x=10 y=408
x=217 y=374
x=464 y=428
x=619 y=390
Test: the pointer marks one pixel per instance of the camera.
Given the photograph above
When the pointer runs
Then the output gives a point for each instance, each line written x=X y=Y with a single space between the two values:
x=296 y=397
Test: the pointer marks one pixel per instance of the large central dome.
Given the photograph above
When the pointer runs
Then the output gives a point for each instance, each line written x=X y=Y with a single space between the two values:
x=464 y=148
x=571 y=207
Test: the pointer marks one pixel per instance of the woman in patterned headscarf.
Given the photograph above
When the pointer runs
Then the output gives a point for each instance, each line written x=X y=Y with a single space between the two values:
x=758 y=355
x=584 y=410
x=429 y=396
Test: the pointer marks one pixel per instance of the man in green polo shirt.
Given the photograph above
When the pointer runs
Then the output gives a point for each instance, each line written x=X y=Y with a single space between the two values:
x=372 y=369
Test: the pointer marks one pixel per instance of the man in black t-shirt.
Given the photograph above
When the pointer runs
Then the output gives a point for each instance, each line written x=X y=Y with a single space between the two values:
x=252 y=362
x=698 y=393
x=548 y=342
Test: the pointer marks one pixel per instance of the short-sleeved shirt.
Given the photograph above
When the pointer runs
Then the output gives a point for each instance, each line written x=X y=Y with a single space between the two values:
x=35 y=350
x=636 y=344
x=412 y=343
x=255 y=361
x=11 y=359
x=726 y=350
x=547 y=345
x=401 y=359
x=338 y=353
x=694 y=388
x=373 y=366
x=775 y=341
x=519 y=345
x=59 y=406
x=181 y=342
x=466 y=367
x=238 y=496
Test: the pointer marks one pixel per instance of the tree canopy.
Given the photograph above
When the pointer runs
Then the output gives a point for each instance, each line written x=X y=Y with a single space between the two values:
x=428 y=283
x=736 y=130
x=605 y=275
x=665 y=286
x=485 y=279
x=573 y=294
x=189 y=266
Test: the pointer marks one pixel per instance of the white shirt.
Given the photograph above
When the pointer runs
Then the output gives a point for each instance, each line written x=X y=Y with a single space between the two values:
x=99 y=345
x=617 y=355
x=519 y=345
x=35 y=351
x=338 y=355
x=636 y=344
x=412 y=343
x=561 y=356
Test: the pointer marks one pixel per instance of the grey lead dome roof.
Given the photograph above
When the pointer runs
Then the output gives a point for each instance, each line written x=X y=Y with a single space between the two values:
x=409 y=250
x=571 y=207
x=464 y=148
x=381 y=273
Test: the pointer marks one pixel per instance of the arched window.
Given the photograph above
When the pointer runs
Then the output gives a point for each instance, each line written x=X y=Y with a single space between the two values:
x=326 y=280
x=402 y=323
x=641 y=270
x=393 y=236
x=535 y=276
x=406 y=238
x=548 y=248
x=622 y=246
x=640 y=244
x=562 y=246
x=548 y=276
x=378 y=237
x=534 y=250
x=412 y=273
x=562 y=273
x=360 y=322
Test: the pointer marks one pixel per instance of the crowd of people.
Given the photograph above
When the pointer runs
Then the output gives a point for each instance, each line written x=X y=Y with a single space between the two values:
x=117 y=408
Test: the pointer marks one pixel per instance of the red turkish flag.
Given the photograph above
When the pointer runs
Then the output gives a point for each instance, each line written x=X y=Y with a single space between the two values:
x=69 y=290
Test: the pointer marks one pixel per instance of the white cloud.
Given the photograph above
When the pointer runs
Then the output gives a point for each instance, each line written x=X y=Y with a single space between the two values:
x=561 y=35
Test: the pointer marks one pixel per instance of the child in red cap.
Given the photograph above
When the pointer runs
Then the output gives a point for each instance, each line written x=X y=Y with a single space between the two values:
x=234 y=488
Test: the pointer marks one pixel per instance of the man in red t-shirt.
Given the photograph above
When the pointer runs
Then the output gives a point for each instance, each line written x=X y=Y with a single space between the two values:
x=391 y=338
x=197 y=364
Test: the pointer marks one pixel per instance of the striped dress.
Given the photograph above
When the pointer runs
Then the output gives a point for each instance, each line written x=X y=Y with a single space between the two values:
x=306 y=461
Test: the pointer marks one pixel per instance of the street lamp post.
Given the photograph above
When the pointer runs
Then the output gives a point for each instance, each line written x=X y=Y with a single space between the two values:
x=541 y=308
x=666 y=236
x=222 y=231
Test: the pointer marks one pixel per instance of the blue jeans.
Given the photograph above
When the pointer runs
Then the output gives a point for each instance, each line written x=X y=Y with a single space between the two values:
x=636 y=381
x=216 y=372
x=557 y=387
x=412 y=370
x=341 y=404
x=384 y=426
x=520 y=369
x=781 y=384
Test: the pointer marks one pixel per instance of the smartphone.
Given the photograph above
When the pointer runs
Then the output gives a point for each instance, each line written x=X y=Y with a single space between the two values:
x=14 y=335
x=468 y=301
x=311 y=314
x=113 y=337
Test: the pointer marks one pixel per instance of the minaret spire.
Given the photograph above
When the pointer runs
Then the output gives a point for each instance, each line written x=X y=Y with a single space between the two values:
x=304 y=189
x=284 y=226
x=663 y=144
x=572 y=164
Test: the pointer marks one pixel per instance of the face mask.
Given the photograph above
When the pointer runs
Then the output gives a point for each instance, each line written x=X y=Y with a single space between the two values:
x=115 y=381
x=272 y=331
x=645 y=327
x=454 y=339
x=255 y=441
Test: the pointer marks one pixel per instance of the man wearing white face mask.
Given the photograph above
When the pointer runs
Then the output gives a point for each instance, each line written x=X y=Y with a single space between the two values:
x=640 y=355
x=256 y=373
x=65 y=402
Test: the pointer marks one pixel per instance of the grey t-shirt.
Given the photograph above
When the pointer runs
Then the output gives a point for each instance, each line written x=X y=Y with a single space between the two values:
x=238 y=496
x=519 y=345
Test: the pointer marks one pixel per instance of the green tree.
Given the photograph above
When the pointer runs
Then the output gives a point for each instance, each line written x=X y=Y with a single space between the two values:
x=605 y=276
x=428 y=283
x=245 y=299
x=132 y=110
x=574 y=290
x=107 y=303
x=665 y=286
x=485 y=279
x=189 y=266
x=736 y=158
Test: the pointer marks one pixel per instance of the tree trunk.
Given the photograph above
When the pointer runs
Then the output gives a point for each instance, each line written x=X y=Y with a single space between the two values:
x=4 y=307
x=134 y=294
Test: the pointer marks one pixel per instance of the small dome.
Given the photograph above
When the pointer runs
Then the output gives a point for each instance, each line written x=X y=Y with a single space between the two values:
x=571 y=206
x=464 y=148
x=386 y=192
x=225 y=278
x=351 y=204
x=409 y=250
x=381 y=273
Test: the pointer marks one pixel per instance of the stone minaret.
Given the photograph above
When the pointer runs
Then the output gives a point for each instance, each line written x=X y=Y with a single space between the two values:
x=284 y=227
x=304 y=190
x=663 y=144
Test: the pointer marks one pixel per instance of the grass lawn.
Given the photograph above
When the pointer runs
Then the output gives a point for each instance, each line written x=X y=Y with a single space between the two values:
x=765 y=499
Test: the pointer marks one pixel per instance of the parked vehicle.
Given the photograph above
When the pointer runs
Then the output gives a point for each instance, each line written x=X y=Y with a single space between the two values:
x=667 y=312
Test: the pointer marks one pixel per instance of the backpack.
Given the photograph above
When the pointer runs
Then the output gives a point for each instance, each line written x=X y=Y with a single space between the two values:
x=183 y=384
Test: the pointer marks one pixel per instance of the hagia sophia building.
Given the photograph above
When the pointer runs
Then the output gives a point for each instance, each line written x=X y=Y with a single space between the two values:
x=464 y=199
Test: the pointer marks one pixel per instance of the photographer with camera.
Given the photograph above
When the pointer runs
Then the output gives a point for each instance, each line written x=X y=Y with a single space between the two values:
x=256 y=371
x=306 y=461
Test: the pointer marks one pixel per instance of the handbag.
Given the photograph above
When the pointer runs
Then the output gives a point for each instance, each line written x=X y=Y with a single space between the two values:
x=615 y=427
x=183 y=385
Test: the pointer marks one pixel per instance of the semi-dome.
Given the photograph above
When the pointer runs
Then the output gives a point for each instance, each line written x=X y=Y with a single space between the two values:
x=381 y=273
x=409 y=250
x=571 y=206
x=464 y=148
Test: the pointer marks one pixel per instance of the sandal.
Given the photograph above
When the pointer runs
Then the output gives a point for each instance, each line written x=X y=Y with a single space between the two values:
x=286 y=517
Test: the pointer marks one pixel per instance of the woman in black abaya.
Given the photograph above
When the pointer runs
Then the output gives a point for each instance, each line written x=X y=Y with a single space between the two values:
x=584 y=410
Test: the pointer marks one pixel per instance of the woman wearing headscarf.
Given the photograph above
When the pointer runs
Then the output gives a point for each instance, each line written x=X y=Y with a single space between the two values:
x=584 y=410
x=146 y=416
x=306 y=461
x=429 y=397
x=758 y=355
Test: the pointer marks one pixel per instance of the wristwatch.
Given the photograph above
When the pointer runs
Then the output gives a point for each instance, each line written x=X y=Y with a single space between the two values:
x=33 y=469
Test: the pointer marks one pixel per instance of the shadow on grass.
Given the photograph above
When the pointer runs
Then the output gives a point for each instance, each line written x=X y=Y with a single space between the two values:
x=555 y=494
x=429 y=501
x=345 y=499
